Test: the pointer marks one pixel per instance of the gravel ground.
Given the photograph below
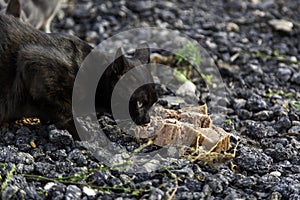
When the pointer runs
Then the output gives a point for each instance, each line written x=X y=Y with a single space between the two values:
x=259 y=61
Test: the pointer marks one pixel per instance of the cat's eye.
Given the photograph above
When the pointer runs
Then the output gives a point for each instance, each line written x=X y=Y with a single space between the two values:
x=139 y=104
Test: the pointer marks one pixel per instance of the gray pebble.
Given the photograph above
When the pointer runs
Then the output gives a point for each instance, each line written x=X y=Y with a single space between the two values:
x=294 y=129
x=73 y=192
x=296 y=78
x=284 y=74
x=256 y=103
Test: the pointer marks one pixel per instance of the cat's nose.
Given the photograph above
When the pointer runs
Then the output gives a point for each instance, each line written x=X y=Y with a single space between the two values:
x=143 y=120
x=147 y=119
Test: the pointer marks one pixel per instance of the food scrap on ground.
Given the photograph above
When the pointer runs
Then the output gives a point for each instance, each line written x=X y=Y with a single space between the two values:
x=188 y=127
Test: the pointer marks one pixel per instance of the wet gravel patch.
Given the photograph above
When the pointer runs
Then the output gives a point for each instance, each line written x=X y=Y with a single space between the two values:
x=259 y=62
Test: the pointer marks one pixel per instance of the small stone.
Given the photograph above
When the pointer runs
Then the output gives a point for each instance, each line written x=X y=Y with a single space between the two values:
x=211 y=44
x=88 y=191
x=140 y=6
x=11 y=154
x=55 y=190
x=232 y=27
x=283 y=123
x=276 y=173
x=296 y=78
x=69 y=23
x=281 y=25
x=284 y=74
x=145 y=184
x=266 y=4
x=247 y=181
x=13 y=192
x=49 y=185
x=186 y=195
x=92 y=37
x=77 y=157
x=296 y=123
x=256 y=103
x=239 y=103
x=293 y=59
x=44 y=168
x=263 y=115
x=243 y=114
x=254 y=160
x=280 y=111
x=156 y=194
x=256 y=69
x=188 y=91
x=234 y=57
x=294 y=129
x=275 y=196
x=60 y=137
x=14 y=188
x=294 y=118
x=280 y=152
x=255 y=1
x=255 y=129
x=27 y=169
x=73 y=192
x=33 y=193
x=259 y=13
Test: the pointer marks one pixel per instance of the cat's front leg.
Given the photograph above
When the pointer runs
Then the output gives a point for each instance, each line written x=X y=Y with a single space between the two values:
x=48 y=79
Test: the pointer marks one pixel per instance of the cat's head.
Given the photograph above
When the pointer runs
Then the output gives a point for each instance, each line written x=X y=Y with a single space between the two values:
x=140 y=103
x=145 y=96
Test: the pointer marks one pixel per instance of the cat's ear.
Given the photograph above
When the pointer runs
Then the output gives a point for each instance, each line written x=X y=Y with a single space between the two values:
x=143 y=53
x=121 y=64
x=14 y=8
x=120 y=52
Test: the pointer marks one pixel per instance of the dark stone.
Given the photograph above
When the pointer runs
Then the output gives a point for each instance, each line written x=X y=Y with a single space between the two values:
x=77 y=157
x=44 y=168
x=296 y=78
x=283 y=124
x=246 y=182
x=256 y=103
x=15 y=188
x=280 y=152
x=243 y=114
x=255 y=129
x=140 y=6
x=60 y=137
x=253 y=160
x=32 y=193
x=11 y=154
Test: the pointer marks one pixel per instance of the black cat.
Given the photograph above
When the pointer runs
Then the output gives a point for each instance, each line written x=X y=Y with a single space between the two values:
x=37 y=73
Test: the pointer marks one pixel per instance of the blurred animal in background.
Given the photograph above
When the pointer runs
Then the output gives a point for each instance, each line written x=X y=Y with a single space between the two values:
x=38 y=13
x=2 y=3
